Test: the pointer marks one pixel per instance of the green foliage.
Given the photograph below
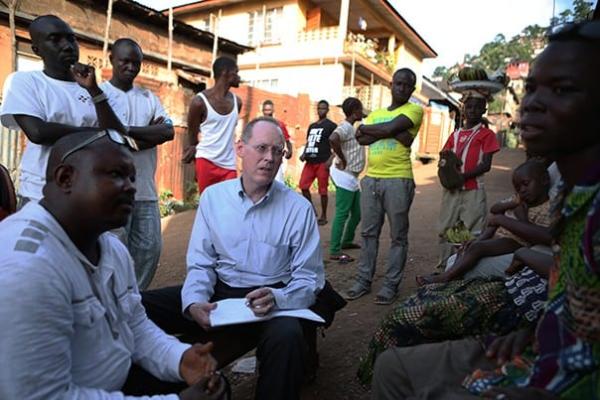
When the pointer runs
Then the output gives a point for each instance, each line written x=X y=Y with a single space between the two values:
x=499 y=52
x=169 y=205
x=289 y=181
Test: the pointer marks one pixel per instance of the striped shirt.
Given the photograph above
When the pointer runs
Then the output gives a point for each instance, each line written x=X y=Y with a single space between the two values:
x=353 y=151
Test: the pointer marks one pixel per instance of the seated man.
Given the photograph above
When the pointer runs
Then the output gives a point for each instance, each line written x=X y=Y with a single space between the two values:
x=255 y=238
x=520 y=222
x=73 y=323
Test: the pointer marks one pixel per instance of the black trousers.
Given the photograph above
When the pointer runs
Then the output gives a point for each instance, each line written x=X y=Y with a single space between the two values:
x=280 y=346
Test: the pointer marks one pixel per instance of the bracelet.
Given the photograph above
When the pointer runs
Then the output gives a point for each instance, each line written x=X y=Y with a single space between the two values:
x=99 y=98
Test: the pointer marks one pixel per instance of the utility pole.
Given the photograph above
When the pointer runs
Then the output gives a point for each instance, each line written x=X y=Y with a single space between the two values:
x=170 y=48
x=13 y=5
x=215 y=49
x=106 y=32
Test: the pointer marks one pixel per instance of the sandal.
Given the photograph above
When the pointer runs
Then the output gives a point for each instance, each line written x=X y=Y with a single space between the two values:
x=356 y=292
x=342 y=258
x=350 y=246
x=385 y=300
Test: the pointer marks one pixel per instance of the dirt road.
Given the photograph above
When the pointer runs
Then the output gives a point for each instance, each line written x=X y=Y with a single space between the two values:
x=347 y=339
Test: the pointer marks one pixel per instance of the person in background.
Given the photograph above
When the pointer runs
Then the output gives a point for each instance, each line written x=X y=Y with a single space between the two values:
x=268 y=109
x=388 y=188
x=148 y=123
x=474 y=145
x=317 y=157
x=347 y=166
x=212 y=118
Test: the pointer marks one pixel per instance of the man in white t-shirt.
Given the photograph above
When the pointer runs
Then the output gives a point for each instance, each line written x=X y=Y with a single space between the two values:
x=62 y=99
x=214 y=114
x=146 y=121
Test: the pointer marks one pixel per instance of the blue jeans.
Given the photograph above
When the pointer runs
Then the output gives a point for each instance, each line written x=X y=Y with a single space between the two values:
x=144 y=241
x=380 y=197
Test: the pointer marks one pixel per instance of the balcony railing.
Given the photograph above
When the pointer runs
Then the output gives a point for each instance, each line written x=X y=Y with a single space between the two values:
x=369 y=48
x=372 y=97
x=316 y=35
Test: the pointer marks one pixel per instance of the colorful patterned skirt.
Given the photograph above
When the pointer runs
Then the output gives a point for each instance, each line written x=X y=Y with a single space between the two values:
x=443 y=311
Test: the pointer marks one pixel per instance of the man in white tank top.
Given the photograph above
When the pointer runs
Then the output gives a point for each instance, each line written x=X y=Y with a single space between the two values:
x=214 y=114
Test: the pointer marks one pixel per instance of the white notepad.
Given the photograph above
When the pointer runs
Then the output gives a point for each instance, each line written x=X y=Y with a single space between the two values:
x=235 y=311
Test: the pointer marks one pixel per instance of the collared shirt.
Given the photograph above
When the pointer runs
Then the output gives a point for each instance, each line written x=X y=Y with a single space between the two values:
x=71 y=329
x=247 y=244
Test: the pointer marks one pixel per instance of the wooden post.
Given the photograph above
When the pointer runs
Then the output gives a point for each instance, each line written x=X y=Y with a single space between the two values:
x=353 y=68
x=215 y=49
x=170 y=46
x=262 y=38
x=13 y=5
x=106 y=32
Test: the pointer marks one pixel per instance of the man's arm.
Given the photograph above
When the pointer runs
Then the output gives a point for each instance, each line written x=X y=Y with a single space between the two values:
x=196 y=115
x=396 y=128
x=481 y=168
x=527 y=231
x=336 y=146
x=306 y=264
x=201 y=262
x=37 y=337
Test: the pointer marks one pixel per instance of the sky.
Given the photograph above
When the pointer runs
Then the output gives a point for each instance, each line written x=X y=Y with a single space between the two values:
x=456 y=27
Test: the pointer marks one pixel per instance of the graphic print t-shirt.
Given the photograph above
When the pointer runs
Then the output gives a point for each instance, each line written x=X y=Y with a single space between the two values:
x=318 y=149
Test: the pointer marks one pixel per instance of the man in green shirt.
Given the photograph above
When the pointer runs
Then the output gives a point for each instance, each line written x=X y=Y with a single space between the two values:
x=388 y=187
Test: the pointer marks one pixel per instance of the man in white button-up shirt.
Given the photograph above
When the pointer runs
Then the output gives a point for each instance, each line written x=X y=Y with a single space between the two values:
x=255 y=238
x=73 y=324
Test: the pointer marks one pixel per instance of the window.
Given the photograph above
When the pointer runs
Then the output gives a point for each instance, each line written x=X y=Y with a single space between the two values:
x=266 y=84
x=264 y=30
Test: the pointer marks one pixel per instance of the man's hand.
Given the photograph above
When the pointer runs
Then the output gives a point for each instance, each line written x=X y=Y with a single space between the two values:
x=212 y=388
x=197 y=363
x=189 y=154
x=341 y=164
x=519 y=394
x=505 y=348
x=85 y=76
x=200 y=312
x=157 y=121
x=515 y=266
x=261 y=301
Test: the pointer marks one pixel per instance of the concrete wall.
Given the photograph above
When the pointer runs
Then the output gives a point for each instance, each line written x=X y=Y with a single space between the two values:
x=321 y=81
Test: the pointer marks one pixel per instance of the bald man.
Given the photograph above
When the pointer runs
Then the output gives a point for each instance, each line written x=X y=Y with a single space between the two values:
x=62 y=99
x=147 y=122
x=74 y=326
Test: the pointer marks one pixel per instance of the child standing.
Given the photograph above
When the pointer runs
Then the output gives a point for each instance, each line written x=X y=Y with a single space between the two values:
x=475 y=145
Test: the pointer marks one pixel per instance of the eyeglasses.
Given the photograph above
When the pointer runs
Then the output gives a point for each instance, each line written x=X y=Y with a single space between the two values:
x=276 y=151
x=586 y=30
x=113 y=135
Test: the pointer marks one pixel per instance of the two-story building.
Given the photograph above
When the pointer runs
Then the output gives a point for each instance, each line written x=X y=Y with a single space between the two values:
x=329 y=49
